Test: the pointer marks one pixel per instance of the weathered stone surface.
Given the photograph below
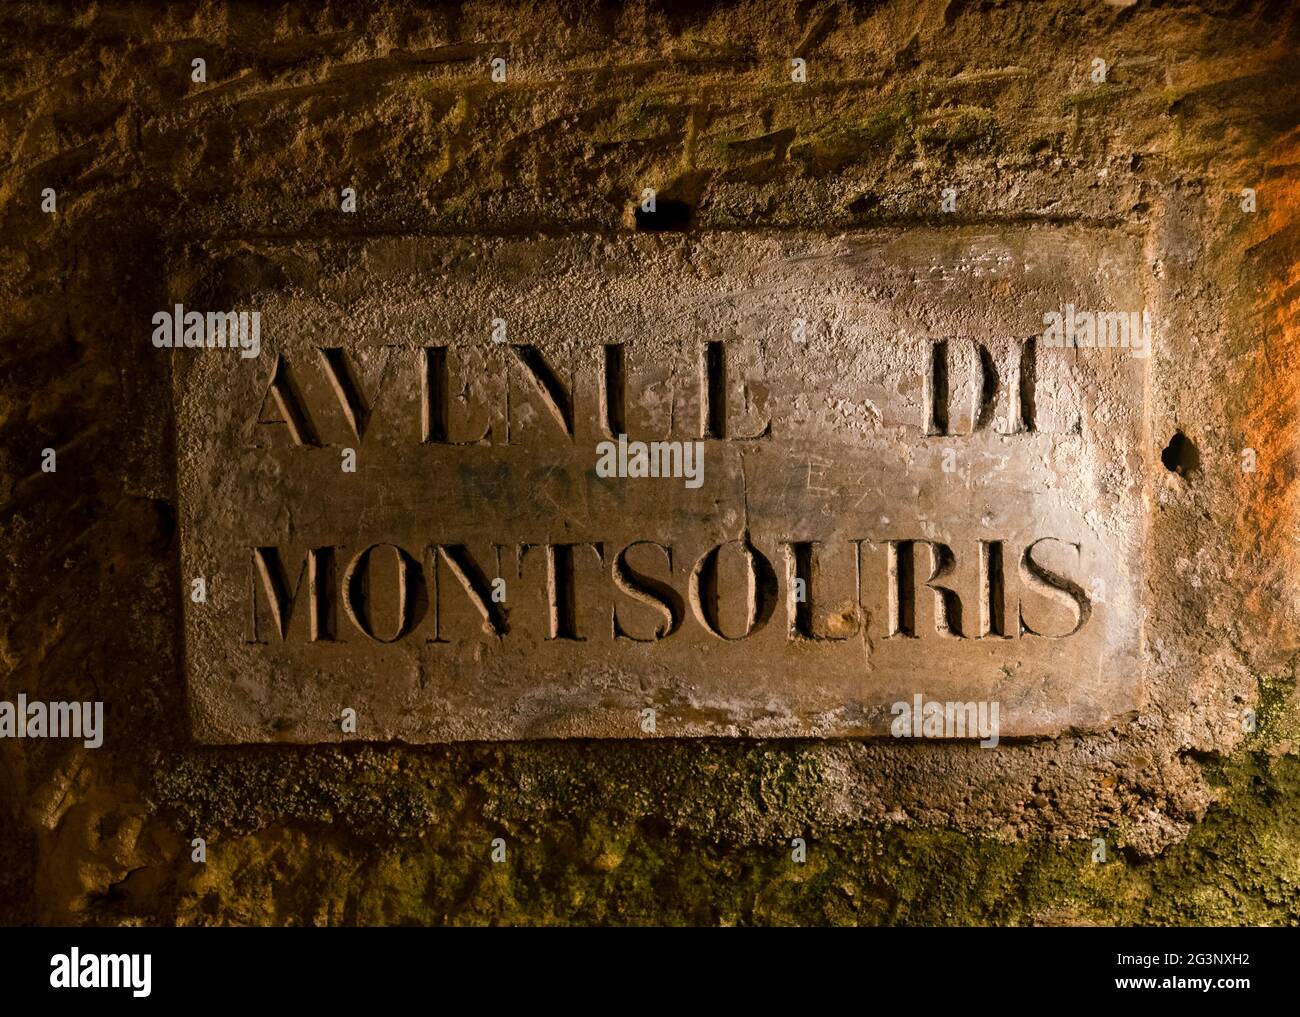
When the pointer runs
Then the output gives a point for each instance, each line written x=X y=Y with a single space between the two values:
x=902 y=492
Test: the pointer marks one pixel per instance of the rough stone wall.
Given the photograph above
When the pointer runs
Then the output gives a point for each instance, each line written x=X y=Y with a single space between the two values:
x=903 y=99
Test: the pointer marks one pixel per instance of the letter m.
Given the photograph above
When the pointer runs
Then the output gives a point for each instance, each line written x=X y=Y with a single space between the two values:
x=961 y=720
x=116 y=971
x=1114 y=326
x=267 y=577
x=223 y=329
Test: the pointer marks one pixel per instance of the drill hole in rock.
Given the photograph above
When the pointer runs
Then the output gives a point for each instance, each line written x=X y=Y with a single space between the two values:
x=1180 y=455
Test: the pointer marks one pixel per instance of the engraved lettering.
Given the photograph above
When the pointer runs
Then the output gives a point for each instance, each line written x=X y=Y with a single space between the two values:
x=653 y=593
x=760 y=591
x=361 y=593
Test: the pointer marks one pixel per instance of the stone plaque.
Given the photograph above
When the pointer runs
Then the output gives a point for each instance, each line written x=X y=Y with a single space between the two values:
x=746 y=484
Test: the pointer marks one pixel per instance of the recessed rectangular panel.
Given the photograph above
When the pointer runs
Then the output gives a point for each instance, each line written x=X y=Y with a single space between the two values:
x=430 y=498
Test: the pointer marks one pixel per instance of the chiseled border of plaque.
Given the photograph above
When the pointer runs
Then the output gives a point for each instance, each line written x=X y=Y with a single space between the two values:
x=428 y=301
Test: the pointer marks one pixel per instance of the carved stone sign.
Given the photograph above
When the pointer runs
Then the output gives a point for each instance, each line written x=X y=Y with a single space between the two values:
x=709 y=484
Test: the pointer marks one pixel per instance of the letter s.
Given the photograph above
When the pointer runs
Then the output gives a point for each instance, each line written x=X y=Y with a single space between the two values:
x=1044 y=581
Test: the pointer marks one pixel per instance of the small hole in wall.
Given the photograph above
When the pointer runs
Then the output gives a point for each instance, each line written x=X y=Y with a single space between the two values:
x=668 y=215
x=1180 y=455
